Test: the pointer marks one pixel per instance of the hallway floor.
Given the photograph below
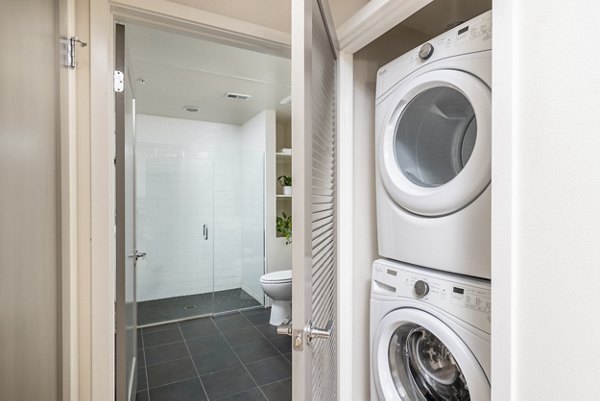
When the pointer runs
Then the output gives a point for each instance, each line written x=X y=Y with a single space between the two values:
x=175 y=308
x=238 y=357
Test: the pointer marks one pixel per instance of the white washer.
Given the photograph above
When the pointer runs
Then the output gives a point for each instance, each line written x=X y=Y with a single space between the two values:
x=433 y=127
x=430 y=335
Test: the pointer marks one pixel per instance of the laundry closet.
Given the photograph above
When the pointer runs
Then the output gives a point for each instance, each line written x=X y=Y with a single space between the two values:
x=433 y=19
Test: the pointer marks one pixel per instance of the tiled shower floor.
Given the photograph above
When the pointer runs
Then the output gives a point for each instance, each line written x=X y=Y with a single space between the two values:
x=238 y=356
x=167 y=309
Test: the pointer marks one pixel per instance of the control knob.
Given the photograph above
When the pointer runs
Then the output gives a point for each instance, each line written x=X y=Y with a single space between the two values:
x=421 y=288
x=425 y=51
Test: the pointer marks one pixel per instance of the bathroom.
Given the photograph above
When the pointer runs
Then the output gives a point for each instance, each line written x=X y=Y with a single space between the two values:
x=212 y=215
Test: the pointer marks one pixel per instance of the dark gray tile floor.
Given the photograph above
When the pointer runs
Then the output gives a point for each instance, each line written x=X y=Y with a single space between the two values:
x=238 y=356
x=162 y=310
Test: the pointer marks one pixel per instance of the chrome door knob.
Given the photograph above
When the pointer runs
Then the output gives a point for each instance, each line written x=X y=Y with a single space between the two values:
x=421 y=288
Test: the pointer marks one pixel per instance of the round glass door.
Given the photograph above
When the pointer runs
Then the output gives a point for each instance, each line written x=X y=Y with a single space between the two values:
x=435 y=136
x=419 y=361
x=416 y=357
x=434 y=151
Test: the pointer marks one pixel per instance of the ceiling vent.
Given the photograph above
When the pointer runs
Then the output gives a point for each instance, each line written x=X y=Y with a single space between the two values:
x=236 y=96
x=191 y=109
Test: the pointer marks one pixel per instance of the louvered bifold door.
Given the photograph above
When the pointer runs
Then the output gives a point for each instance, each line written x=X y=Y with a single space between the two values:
x=314 y=66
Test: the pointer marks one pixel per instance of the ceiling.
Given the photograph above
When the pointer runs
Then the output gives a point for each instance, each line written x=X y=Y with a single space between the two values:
x=184 y=70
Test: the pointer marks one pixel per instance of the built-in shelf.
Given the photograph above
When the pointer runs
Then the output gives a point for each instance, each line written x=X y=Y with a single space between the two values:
x=279 y=154
x=284 y=196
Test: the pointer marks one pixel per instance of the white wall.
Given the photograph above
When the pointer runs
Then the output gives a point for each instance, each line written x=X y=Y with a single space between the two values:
x=30 y=203
x=546 y=221
x=190 y=173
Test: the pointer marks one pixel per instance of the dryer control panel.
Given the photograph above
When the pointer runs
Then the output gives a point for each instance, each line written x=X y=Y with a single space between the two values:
x=468 y=299
x=469 y=37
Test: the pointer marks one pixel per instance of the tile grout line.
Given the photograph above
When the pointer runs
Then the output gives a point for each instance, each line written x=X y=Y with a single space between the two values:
x=169 y=361
x=236 y=355
x=259 y=388
x=156 y=364
x=269 y=341
x=272 y=345
x=193 y=363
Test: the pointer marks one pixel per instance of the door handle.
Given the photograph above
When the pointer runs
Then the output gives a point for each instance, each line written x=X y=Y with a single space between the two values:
x=205 y=232
x=137 y=255
x=313 y=332
x=310 y=332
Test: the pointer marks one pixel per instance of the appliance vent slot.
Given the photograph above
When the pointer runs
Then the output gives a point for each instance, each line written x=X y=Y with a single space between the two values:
x=236 y=96
x=385 y=286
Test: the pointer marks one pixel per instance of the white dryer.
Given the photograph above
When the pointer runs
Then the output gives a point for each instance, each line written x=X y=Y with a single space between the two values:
x=430 y=335
x=433 y=145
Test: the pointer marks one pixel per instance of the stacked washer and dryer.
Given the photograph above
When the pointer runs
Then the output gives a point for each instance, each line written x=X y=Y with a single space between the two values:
x=430 y=297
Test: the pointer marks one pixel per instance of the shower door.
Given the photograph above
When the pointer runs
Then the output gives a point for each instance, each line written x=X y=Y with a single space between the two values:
x=200 y=213
x=175 y=194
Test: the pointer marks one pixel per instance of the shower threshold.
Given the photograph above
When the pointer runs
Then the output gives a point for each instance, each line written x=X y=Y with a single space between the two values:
x=166 y=310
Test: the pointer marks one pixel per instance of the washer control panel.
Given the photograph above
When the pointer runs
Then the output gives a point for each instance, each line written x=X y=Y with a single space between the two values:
x=468 y=299
x=421 y=288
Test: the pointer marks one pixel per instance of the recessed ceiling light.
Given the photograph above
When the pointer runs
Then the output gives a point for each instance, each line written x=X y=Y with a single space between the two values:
x=236 y=96
x=191 y=109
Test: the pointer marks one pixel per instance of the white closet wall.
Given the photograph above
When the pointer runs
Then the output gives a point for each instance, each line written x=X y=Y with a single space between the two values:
x=546 y=219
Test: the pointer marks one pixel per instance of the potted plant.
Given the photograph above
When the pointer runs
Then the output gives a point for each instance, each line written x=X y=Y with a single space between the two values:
x=286 y=182
x=284 y=227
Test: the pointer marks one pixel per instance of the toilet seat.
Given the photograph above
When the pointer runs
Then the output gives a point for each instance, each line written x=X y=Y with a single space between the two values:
x=282 y=276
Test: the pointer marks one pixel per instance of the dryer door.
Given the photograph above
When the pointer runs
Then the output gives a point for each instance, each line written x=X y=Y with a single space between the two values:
x=416 y=357
x=434 y=151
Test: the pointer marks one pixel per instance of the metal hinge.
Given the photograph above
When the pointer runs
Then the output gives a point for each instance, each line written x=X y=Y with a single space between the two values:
x=67 y=50
x=118 y=81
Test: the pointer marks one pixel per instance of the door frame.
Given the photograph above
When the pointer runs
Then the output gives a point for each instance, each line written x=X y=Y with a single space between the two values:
x=69 y=213
x=96 y=181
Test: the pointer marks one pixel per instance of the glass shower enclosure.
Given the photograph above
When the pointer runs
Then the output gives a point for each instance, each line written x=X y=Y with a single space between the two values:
x=200 y=219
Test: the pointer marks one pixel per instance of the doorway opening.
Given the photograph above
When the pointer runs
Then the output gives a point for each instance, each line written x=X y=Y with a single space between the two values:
x=207 y=151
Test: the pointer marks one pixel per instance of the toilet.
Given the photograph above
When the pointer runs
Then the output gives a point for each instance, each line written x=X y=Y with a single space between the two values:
x=278 y=287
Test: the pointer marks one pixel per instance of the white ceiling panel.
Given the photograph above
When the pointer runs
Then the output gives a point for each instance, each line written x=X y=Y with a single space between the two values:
x=181 y=70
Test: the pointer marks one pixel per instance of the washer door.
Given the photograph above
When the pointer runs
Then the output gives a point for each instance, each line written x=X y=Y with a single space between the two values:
x=435 y=148
x=416 y=357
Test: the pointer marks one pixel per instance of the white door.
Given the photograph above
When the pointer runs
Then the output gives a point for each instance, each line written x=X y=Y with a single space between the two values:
x=126 y=252
x=435 y=148
x=416 y=357
x=314 y=64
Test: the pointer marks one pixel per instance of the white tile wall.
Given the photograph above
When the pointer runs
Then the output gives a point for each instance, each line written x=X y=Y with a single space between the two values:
x=192 y=173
